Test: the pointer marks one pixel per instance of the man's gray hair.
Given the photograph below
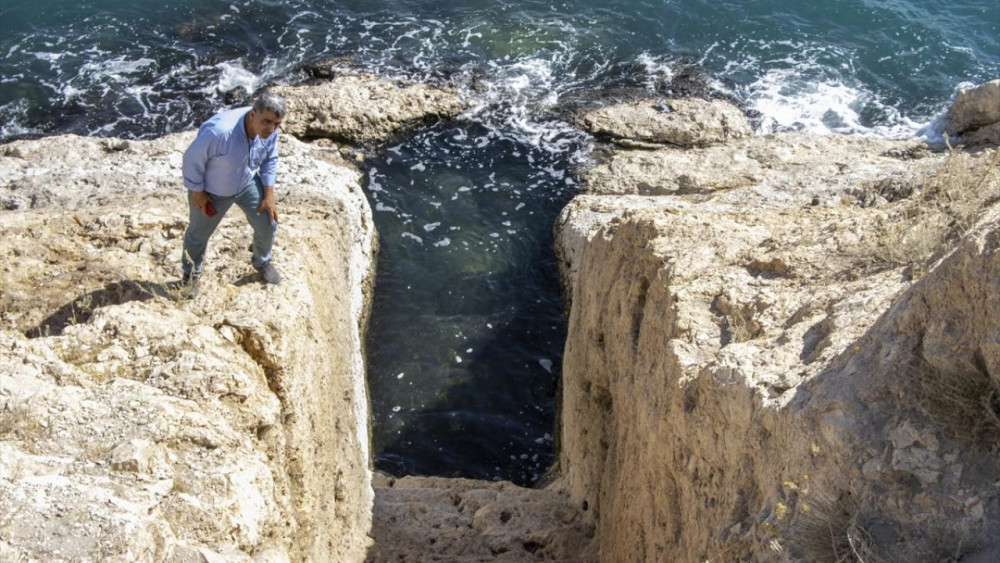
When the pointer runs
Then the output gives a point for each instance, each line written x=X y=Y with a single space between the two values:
x=269 y=101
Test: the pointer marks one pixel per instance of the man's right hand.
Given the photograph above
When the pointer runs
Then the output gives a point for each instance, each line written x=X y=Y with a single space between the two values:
x=199 y=200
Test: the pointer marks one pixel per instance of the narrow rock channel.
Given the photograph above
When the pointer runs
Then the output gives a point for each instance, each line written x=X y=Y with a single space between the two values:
x=467 y=329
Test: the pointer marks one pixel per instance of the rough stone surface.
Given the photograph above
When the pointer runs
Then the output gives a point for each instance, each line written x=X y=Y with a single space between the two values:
x=988 y=135
x=364 y=109
x=462 y=520
x=686 y=122
x=138 y=426
x=974 y=108
x=780 y=348
x=752 y=374
x=784 y=166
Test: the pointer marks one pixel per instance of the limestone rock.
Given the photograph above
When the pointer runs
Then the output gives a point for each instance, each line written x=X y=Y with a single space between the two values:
x=459 y=520
x=139 y=426
x=364 y=109
x=986 y=135
x=780 y=166
x=685 y=122
x=746 y=369
x=974 y=108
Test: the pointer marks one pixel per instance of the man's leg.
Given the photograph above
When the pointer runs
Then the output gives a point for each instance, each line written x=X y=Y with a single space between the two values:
x=200 y=229
x=263 y=228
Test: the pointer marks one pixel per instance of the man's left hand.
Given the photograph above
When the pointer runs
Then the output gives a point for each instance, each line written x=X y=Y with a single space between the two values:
x=267 y=204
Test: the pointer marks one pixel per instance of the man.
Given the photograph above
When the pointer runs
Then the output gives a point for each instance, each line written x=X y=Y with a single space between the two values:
x=234 y=159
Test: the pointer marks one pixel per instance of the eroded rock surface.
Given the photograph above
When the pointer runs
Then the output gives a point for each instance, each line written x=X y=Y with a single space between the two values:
x=778 y=167
x=780 y=348
x=796 y=362
x=364 y=109
x=462 y=520
x=686 y=122
x=139 y=426
x=974 y=109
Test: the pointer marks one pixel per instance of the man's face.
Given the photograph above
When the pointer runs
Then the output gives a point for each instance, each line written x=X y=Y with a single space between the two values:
x=264 y=123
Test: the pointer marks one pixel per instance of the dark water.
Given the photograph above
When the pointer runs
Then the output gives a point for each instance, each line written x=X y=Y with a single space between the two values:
x=467 y=334
x=467 y=328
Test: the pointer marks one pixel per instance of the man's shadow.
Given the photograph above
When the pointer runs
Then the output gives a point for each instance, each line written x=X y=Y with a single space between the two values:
x=81 y=309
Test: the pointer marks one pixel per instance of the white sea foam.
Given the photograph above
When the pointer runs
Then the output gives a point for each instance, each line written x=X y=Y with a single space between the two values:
x=658 y=68
x=232 y=75
x=516 y=91
x=10 y=119
x=787 y=101
x=116 y=69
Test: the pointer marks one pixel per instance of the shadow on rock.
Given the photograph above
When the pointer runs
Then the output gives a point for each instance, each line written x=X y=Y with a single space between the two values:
x=82 y=308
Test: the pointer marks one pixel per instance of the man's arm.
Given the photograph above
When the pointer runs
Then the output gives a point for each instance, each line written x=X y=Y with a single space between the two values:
x=193 y=168
x=268 y=204
x=268 y=177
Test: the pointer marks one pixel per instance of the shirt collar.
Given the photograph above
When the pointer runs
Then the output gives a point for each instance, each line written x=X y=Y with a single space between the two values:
x=243 y=128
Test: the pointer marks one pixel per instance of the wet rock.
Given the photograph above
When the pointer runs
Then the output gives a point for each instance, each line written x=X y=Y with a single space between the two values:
x=236 y=97
x=326 y=69
x=986 y=135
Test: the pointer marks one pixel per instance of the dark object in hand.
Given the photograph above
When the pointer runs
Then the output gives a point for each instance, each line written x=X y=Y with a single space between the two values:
x=209 y=210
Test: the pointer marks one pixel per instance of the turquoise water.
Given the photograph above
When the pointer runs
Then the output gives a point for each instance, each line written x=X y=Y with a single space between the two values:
x=141 y=68
x=467 y=335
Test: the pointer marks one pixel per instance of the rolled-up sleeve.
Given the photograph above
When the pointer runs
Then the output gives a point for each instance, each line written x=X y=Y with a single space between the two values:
x=196 y=160
x=269 y=168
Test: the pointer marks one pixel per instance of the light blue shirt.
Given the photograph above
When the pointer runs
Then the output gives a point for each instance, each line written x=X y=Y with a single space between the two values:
x=221 y=160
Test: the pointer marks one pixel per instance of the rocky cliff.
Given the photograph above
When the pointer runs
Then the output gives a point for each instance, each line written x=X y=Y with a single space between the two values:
x=784 y=348
x=780 y=348
x=138 y=426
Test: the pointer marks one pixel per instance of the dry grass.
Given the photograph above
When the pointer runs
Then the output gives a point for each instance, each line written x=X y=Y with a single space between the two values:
x=737 y=320
x=842 y=539
x=963 y=399
x=831 y=529
x=849 y=528
x=18 y=422
x=948 y=203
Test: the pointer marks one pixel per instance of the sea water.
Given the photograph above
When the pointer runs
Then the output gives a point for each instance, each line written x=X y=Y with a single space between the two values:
x=467 y=331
